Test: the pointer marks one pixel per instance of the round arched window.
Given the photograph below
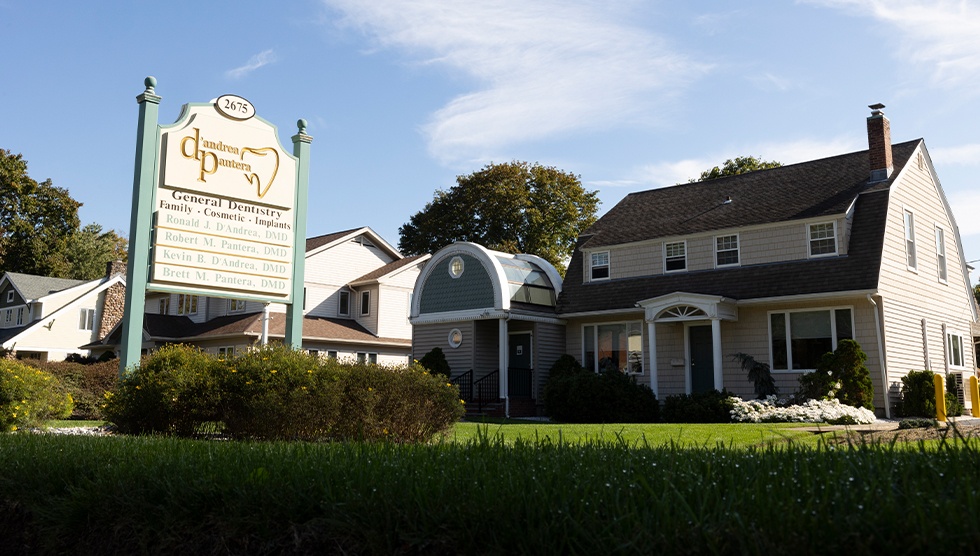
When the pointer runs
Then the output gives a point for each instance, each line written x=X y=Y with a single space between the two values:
x=455 y=338
x=456 y=267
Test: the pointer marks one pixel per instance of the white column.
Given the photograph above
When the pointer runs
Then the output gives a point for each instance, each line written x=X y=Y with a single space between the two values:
x=265 y=325
x=502 y=360
x=716 y=353
x=652 y=337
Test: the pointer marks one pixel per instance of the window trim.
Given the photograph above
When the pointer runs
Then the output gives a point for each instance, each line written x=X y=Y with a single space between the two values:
x=810 y=240
x=340 y=296
x=908 y=224
x=187 y=304
x=949 y=350
x=233 y=306
x=593 y=266
x=595 y=332
x=788 y=334
x=365 y=308
x=942 y=261
x=682 y=242
x=86 y=319
x=737 y=249
x=20 y=316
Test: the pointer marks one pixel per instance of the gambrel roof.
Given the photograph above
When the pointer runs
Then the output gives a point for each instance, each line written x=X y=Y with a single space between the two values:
x=821 y=188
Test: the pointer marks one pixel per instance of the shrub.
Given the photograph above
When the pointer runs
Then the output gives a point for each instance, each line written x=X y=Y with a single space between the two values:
x=703 y=407
x=87 y=384
x=759 y=374
x=811 y=411
x=840 y=375
x=917 y=423
x=918 y=395
x=435 y=362
x=576 y=395
x=29 y=397
x=953 y=406
x=173 y=391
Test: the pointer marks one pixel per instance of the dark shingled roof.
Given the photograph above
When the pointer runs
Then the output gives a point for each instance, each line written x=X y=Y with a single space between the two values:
x=390 y=267
x=806 y=190
x=812 y=189
x=319 y=241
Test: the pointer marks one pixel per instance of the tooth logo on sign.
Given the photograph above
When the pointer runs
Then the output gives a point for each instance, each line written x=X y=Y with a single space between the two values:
x=252 y=177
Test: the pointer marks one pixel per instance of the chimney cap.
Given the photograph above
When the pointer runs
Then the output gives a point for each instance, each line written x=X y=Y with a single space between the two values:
x=876 y=109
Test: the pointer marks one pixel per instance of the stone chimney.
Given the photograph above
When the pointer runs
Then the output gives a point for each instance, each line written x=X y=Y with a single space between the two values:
x=115 y=299
x=879 y=144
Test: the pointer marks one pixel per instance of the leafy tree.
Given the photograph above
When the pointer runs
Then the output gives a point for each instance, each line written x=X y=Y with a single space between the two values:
x=976 y=293
x=37 y=221
x=90 y=249
x=39 y=228
x=514 y=207
x=740 y=165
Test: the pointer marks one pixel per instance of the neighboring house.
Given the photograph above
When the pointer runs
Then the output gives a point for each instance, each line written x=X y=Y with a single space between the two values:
x=489 y=311
x=49 y=318
x=357 y=295
x=779 y=264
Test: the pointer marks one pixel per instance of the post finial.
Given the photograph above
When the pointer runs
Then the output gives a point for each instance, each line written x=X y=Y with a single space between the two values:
x=301 y=124
x=150 y=82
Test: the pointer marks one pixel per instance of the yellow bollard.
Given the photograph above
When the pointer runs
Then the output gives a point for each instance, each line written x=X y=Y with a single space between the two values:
x=937 y=381
x=974 y=397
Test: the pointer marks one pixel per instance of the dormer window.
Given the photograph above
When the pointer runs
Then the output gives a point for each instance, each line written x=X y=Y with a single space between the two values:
x=600 y=265
x=823 y=239
x=10 y=296
x=675 y=256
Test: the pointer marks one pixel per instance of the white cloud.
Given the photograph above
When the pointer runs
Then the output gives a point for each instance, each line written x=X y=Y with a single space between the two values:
x=541 y=69
x=968 y=203
x=943 y=35
x=965 y=155
x=255 y=62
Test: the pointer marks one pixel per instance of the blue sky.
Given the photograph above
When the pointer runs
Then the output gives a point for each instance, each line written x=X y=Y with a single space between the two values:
x=402 y=96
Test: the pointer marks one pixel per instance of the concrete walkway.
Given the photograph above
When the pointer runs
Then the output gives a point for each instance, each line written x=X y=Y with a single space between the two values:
x=884 y=425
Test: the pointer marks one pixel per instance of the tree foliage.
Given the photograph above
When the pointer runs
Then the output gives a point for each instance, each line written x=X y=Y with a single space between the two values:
x=740 y=165
x=39 y=228
x=514 y=207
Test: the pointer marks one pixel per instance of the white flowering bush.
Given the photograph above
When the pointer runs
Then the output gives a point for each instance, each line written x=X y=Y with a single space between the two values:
x=812 y=411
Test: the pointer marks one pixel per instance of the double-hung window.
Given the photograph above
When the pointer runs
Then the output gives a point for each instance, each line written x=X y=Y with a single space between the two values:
x=910 y=240
x=675 y=256
x=955 y=349
x=941 y=254
x=236 y=305
x=599 y=265
x=798 y=339
x=186 y=304
x=86 y=319
x=823 y=239
x=343 y=303
x=8 y=315
x=365 y=303
x=20 y=316
x=726 y=250
x=613 y=347
x=165 y=305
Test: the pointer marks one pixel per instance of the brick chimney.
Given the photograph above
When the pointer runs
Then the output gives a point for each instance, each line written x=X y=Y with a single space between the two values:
x=879 y=144
x=115 y=299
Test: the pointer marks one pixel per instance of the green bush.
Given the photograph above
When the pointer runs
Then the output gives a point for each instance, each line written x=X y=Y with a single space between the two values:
x=841 y=374
x=173 y=391
x=703 y=407
x=435 y=362
x=87 y=383
x=576 y=395
x=953 y=406
x=918 y=395
x=29 y=397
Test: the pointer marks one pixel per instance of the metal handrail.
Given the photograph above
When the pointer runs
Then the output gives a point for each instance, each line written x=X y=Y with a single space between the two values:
x=487 y=389
x=465 y=384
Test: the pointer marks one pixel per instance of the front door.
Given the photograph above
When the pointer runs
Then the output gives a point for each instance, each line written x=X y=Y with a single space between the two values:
x=519 y=363
x=702 y=359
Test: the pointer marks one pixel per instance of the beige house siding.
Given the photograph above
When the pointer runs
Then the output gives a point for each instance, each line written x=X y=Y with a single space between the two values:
x=913 y=295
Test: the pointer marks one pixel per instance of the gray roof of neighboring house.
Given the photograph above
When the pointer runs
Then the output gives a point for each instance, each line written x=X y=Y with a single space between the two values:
x=33 y=287
x=390 y=267
x=319 y=241
x=812 y=189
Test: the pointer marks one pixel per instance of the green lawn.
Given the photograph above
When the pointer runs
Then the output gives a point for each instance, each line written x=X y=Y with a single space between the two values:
x=731 y=435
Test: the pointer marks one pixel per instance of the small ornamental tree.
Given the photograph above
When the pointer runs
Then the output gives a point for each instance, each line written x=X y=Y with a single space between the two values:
x=759 y=374
x=435 y=362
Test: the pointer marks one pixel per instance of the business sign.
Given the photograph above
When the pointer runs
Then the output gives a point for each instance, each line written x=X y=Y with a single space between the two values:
x=224 y=206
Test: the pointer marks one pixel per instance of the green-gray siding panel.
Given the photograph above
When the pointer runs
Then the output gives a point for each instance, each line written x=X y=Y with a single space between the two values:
x=472 y=290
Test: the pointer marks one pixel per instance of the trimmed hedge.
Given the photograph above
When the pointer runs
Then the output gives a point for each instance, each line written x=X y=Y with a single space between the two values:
x=576 y=395
x=702 y=407
x=86 y=382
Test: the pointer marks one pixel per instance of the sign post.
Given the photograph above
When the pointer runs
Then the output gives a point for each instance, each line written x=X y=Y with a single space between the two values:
x=218 y=210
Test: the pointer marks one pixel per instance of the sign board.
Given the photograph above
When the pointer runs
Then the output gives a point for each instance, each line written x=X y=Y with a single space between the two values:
x=224 y=205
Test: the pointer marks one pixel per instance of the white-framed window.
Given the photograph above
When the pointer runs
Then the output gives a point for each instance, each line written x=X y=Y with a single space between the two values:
x=371 y=358
x=910 y=259
x=20 y=316
x=614 y=346
x=941 y=254
x=675 y=256
x=798 y=339
x=10 y=296
x=365 y=303
x=227 y=351
x=726 y=250
x=822 y=239
x=236 y=305
x=332 y=354
x=343 y=303
x=955 y=349
x=599 y=266
x=165 y=305
x=8 y=316
x=186 y=304
x=455 y=338
x=86 y=319
x=456 y=267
